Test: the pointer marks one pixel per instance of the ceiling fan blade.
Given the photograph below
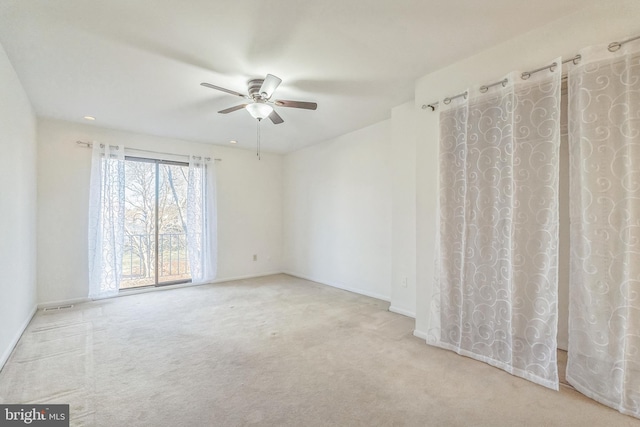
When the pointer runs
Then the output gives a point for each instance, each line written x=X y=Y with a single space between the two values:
x=232 y=109
x=275 y=118
x=296 y=104
x=232 y=92
x=269 y=85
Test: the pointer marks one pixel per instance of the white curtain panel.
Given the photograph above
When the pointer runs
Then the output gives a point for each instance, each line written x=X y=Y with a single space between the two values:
x=106 y=220
x=202 y=220
x=604 y=313
x=495 y=295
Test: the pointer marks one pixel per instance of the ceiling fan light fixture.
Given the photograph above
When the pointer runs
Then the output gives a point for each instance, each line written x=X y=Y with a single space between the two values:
x=259 y=110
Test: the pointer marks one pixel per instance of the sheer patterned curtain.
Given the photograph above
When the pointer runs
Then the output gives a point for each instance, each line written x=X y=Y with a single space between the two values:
x=604 y=314
x=202 y=219
x=495 y=295
x=106 y=220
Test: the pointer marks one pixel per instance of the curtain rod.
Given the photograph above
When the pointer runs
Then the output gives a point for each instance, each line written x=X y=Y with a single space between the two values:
x=614 y=46
x=617 y=45
x=451 y=98
x=502 y=82
x=89 y=145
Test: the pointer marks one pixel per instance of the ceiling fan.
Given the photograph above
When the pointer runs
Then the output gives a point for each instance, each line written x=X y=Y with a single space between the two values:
x=261 y=105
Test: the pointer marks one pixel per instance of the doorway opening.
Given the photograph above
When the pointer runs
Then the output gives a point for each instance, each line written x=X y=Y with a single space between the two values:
x=564 y=238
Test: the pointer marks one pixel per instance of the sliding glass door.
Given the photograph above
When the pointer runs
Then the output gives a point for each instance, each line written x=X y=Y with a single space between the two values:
x=155 y=250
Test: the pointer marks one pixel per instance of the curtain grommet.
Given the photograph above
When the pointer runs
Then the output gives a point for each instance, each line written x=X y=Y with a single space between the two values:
x=615 y=46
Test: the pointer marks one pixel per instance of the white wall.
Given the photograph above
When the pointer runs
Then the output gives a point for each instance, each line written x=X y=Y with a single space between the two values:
x=426 y=213
x=249 y=205
x=609 y=21
x=17 y=209
x=403 y=197
x=337 y=212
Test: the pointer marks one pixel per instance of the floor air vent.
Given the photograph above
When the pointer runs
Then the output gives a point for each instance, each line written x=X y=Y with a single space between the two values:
x=60 y=307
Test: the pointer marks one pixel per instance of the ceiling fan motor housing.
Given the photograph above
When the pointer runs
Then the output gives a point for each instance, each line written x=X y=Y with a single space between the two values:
x=254 y=88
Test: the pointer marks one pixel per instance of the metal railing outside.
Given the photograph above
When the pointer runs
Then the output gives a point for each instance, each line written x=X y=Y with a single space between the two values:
x=138 y=260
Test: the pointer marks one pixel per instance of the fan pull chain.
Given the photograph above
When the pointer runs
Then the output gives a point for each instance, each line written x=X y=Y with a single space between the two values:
x=258 y=139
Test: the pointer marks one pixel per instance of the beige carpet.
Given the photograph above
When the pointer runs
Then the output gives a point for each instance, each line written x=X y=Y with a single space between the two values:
x=274 y=351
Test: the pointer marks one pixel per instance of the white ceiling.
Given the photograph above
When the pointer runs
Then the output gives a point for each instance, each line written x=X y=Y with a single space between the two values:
x=137 y=65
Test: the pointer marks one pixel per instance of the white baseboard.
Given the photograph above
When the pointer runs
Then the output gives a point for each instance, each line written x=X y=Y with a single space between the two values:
x=402 y=311
x=231 y=279
x=250 y=276
x=563 y=345
x=420 y=334
x=62 y=302
x=154 y=289
x=341 y=286
x=7 y=352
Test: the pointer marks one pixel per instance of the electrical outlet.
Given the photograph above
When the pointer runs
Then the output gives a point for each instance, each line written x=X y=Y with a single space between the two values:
x=404 y=282
x=255 y=257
